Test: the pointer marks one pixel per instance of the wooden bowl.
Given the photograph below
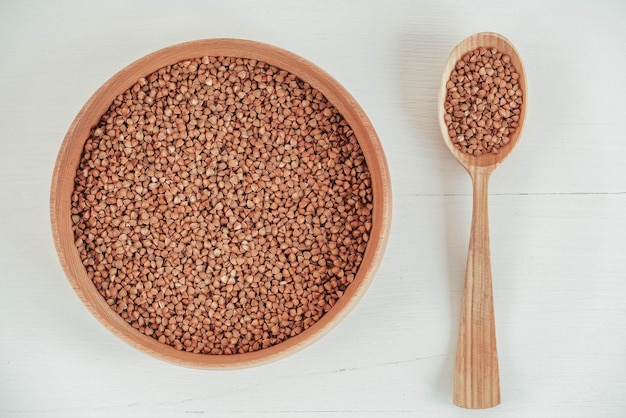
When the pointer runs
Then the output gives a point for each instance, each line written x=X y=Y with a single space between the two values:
x=72 y=147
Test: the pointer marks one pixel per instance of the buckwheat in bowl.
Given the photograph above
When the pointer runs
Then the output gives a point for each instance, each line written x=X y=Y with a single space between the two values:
x=220 y=203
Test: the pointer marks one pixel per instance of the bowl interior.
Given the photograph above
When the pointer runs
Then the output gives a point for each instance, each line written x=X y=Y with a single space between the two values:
x=72 y=148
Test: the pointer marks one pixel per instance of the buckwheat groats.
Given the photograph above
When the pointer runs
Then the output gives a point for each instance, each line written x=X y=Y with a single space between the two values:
x=483 y=101
x=221 y=205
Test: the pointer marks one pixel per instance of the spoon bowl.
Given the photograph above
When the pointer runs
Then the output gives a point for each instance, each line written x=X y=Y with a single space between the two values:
x=485 y=40
x=477 y=381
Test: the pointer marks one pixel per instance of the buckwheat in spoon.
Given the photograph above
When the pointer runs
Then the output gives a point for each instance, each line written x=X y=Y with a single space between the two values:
x=481 y=114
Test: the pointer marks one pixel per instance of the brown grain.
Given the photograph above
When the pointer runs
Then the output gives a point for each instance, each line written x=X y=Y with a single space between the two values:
x=483 y=101
x=221 y=205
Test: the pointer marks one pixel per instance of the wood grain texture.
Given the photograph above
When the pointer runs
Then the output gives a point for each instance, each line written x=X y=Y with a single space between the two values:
x=477 y=379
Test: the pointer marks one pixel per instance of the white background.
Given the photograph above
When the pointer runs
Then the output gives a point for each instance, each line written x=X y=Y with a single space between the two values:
x=557 y=214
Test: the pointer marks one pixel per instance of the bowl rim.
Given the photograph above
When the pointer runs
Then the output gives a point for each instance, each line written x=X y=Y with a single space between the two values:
x=71 y=149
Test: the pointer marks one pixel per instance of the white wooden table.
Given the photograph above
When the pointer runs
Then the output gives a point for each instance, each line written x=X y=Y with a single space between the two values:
x=557 y=208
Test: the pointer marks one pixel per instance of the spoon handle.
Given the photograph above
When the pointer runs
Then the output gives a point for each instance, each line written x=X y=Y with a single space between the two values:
x=477 y=381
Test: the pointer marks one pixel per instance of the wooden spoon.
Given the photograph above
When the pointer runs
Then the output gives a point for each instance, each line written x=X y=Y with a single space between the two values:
x=477 y=382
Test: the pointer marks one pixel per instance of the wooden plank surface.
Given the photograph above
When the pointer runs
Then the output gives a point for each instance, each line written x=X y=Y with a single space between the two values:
x=557 y=214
